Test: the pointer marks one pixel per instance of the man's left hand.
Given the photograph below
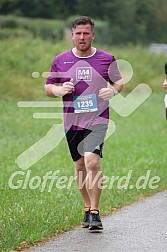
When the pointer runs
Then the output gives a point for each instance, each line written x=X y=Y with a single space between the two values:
x=106 y=93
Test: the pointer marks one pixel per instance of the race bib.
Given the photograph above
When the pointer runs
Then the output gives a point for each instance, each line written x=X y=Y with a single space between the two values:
x=85 y=103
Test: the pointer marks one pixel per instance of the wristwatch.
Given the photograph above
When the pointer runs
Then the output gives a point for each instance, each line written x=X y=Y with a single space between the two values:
x=115 y=91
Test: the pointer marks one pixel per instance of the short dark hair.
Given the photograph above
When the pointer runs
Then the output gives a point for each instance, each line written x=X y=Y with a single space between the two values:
x=83 y=20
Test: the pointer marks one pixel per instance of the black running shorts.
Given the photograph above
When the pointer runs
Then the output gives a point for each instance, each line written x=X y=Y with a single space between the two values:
x=87 y=140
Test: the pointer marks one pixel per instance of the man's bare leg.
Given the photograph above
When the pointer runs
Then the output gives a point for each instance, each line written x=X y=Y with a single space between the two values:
x=94 y=178
x=80 y=172
x=94 y=188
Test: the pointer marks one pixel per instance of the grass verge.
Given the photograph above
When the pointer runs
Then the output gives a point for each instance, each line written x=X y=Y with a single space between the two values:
x=29 y=215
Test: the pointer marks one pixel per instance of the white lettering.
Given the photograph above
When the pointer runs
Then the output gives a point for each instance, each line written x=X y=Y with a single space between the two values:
x=152 y=181
x=126 y=179
x=145 y=181
x=19 y=182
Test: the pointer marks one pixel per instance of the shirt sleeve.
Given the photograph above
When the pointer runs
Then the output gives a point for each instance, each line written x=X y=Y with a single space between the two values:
x=53 y=75
x=166 y=68
x=113 y=72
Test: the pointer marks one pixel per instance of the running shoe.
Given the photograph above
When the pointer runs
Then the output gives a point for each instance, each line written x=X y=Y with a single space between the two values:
x=95 y=221
x=86 y=221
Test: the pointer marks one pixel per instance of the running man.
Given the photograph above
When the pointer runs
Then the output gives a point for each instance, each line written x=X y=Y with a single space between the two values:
x=81 y=76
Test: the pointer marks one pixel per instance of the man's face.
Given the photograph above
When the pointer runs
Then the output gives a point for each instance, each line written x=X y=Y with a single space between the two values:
x=83 y=37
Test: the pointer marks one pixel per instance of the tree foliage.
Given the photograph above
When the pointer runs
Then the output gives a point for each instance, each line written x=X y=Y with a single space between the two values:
x=128 y=20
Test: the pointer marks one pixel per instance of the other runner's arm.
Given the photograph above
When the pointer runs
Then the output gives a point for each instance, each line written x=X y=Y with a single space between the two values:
x=165 y=80
x=165 y=83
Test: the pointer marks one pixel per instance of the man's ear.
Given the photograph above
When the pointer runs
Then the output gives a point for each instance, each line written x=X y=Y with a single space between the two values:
x=72 y=35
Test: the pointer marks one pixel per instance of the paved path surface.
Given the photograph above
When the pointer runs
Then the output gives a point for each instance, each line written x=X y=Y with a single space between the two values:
x=139 y=227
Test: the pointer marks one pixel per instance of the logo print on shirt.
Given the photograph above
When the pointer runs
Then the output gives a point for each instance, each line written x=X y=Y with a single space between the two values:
x=84 y=73
x=68 y=62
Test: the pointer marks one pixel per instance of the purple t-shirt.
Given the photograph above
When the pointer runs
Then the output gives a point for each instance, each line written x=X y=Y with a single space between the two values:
x=83 y=108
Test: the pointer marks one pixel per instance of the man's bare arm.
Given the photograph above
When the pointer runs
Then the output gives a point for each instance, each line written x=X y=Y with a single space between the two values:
x=55 y=91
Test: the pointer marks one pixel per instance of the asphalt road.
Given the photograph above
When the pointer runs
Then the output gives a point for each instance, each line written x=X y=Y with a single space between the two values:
x=139 y=227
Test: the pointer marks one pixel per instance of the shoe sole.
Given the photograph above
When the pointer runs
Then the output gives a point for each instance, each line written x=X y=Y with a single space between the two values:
x=95 y=227
x=84 y=226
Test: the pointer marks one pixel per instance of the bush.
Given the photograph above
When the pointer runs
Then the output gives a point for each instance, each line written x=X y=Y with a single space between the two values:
x=46 y=29
x=16 y=32
x=103 y=35
x=8 y=22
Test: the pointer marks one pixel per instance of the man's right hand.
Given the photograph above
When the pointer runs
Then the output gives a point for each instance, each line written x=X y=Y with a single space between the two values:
x=68 y=87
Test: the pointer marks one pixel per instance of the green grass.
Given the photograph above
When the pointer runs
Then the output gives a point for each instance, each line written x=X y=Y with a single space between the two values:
x=138 y=144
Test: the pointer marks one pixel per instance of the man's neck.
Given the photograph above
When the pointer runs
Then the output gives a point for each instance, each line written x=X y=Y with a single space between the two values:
x=86 y=53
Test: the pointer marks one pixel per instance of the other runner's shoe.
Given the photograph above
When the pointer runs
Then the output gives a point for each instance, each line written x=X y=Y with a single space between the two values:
x=95 y=221
x=86 y=221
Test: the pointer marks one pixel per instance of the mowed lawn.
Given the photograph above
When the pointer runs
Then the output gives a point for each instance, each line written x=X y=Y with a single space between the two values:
x=30 y=214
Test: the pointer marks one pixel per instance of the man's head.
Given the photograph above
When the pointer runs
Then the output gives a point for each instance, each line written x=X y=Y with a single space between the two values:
x=83 y=20
x=83 y=34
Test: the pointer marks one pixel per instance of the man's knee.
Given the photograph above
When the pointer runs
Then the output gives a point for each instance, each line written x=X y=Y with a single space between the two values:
x=92 y=162
x=80 y=165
